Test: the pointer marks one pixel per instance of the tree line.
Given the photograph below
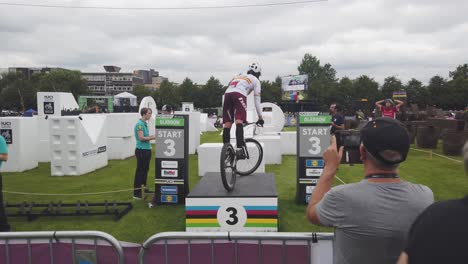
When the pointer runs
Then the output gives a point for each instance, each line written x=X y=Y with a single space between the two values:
x=19 y=93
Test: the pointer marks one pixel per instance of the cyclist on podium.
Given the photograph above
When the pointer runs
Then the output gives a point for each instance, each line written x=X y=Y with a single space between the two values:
x=235 y=105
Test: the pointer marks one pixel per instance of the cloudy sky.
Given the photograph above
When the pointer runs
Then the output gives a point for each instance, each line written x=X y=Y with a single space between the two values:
x=379 y=38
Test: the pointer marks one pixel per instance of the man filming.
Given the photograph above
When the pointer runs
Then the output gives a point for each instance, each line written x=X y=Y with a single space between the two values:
x=372 y=216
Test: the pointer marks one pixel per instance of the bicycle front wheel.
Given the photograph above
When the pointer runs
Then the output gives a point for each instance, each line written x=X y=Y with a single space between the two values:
x=254 y=158
x=228 y=167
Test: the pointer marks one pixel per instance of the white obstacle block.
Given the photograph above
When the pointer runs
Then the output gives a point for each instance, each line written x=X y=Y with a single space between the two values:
x=122 y=124
x=210 y=124
x=77 y=146
x=43 y=139
x=271 y=152
x=210 y=127
x=288 y=141
x=194 y=130
x=203 y=122
x=52 y=103
x=120 y=148
x=209 y=155
x=149 y=102
x=21 y=137
x=187 y=107
x=273 y=117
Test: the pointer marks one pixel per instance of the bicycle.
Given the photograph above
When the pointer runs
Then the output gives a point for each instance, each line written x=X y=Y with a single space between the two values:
x=231 y=164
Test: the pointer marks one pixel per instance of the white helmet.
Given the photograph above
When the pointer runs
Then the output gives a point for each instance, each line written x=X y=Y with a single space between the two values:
x=255 y=67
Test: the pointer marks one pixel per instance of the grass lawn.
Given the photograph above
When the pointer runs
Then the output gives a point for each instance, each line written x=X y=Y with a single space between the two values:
x=445 y=177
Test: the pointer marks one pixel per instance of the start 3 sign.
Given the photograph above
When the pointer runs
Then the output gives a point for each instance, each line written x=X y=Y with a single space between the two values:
x=313 y=138
x=171 y=177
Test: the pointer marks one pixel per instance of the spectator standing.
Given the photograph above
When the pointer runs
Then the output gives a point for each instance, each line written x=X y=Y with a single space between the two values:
x=337 y=122
x=373 y=216
x=440 y=233
x=4 y=226
x=388 y=109
x=142 y=152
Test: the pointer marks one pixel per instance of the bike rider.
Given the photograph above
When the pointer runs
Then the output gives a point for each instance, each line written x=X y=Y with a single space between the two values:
x=235 y=105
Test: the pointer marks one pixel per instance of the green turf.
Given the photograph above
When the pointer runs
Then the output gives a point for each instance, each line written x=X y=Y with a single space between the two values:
x=445 y=177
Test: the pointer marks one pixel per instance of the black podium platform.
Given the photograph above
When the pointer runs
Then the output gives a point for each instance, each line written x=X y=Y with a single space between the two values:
x=254 y=185
x=252 y=206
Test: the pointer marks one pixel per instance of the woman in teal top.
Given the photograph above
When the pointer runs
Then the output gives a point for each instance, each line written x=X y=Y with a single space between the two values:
x=142 y=151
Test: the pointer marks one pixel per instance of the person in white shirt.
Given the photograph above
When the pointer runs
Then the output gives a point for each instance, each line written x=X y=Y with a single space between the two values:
x=235 y=104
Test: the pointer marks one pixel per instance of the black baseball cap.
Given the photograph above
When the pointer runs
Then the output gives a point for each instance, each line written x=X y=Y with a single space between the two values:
x=383 y=134
x=166 y=108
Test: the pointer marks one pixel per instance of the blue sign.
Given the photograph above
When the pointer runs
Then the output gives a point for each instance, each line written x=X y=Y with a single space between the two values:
x=307 y=198
x=169 y=198
x=314 y=163
x=168 y=189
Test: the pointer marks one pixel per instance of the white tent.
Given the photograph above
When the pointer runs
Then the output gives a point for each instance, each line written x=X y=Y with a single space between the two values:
x=120 y=98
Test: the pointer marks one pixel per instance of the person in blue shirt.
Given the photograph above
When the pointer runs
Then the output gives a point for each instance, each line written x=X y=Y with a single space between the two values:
x=4 y=226
x=142 y=152
x=337 y=122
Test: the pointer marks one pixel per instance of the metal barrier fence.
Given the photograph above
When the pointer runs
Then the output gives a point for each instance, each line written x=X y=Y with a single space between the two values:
x=237 y=247
x=13 y=251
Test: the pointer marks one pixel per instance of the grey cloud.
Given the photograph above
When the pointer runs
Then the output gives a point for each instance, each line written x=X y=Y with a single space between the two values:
x=379 y=38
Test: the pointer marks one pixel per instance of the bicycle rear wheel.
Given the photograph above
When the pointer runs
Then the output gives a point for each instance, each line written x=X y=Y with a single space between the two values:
x=228 y=167
x=253 y=160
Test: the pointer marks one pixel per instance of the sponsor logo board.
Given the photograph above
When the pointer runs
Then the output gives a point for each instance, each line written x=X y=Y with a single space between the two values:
x=168 y=189
x=313 y=172
x=169 y=164
x=168 y=181
x=49 y=108
x=308 y=181
x=101 y=149
x=314 y=163
x=309 y=189
x=7 y=134
x=169 y=173
x=169 y=198
x=94 y=151
x=5 y=124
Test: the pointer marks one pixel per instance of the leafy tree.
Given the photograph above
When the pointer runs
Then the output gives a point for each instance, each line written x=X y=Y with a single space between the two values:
x=460 y=72
x=458 y=87
x=271 y=91
x=391 y=84
x=211 y=93
x=417 y=93
x=167 y=94
x=188 y=91
x=141 y=91
x=310 y=65
x=437 y=91
x=366 y=87
x=62 y=81
x=16 y=92
x=457 y=94
x=321 y=78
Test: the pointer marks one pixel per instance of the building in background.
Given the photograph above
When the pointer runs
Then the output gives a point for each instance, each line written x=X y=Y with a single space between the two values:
x=28 y=72
x=111 y=82
x=151 y=78
x=147 y=75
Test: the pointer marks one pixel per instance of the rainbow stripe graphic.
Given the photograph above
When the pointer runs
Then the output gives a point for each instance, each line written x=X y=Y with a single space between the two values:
x=201 y=216
x=206 y=216
x=262 y=216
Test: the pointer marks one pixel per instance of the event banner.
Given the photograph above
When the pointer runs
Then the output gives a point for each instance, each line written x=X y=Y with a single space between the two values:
x=294 y=83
